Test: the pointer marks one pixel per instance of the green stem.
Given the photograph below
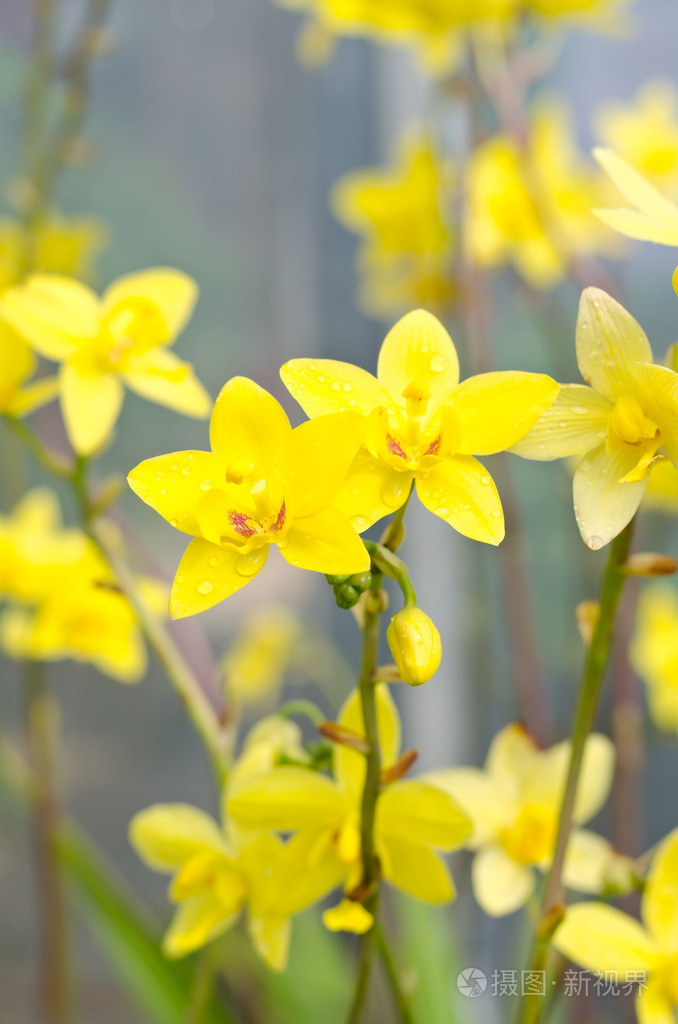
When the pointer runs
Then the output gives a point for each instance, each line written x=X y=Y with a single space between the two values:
x=203 y=985
x=42 y=726
x=42 y=455
x=401 y=1001
x=301 y=707
x=368 y=945
x=590 y=688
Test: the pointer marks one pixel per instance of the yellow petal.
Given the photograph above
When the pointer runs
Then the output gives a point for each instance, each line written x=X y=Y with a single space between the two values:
x=208 y=574
x=496 y=409
x=609 y=341
x=196 y=922
x=588 y=861
x=348 y=916
x=415 y=869
x=500 y=884
x=639 y=226
x=413 y=808
x=16 y=358
x=545 y=783
x=511 y=758
x=90 y=405
x=323 y=386
x=349 y=765
x=476 y=793
x=172 y=291
x=574 y=424
x=638 y=190
x=287 y=798
x=270 y=937
x=159 y=376
x=167 y=835
x=653 y=1006
x=248 y=424
x=308 y=869
x=372 y=490
x=602 y=504
x=318 y=458
x=174 y=484
x=601 y=938
x=418 y=348
x=656 y=389
x=210 y=869
x=54 y=314
x=660 y=897
x=33 y=396
x=461 y=491
x=325 y=542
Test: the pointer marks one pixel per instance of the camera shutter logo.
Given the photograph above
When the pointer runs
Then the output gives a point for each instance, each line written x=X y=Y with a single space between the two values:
x=471 y=982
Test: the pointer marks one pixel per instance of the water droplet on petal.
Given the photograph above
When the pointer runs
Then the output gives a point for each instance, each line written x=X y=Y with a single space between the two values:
x=174 y=522
x=497 y=513
x=393 y=493
x=205 y=587
x=179 y=579
x=442 y=511
x=595 y=543
x=335 y=385
x=437 y=364
x=186 y=470
x=251 y=563
x=213 y=560
x=485 y=479
x=205 y=485
x=348 y=387
x=359 y=523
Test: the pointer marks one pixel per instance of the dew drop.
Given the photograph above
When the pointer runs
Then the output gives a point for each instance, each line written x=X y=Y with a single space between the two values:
x=497 y=513
x=392 y=494
x=174 y=522
x=321 y=377
x=348 y=387
x=251 y=563
x=335 y=385
x=359 y=523
x=205 y=587
x=313 y=366
x=595 y=543
x=352 y=401
x=466 y=508
x=213 y=560
x=205 y=485
x=442 y=511
x=485 y=479
x=163 y=490
x=437 y=364
x=179 y=579
x=190 y=456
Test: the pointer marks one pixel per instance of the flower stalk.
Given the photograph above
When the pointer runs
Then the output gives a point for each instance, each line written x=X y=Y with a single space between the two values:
x=593 y=674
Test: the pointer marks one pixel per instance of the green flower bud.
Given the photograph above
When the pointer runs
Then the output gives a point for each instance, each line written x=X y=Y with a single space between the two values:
x=415 y=645
x=361 y=581
x=346 y=596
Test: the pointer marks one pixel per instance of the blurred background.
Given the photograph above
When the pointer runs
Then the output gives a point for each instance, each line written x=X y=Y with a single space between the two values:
x=215 y=151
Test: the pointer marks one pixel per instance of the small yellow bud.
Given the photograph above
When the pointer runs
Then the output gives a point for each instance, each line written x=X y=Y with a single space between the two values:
x=415 y=645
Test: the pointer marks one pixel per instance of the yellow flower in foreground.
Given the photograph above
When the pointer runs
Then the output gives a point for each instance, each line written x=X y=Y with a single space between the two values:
x=532 y=208
x=645 y=132
x=601 y=938
x=214 y=881
x=652 y=218
x=619 y=426
x=514 y=803
x=400 y=212
x=18 y=395
x=105 y=344
x=654 y=652
x=423 y=425
x=263 y=483
x=414 y=820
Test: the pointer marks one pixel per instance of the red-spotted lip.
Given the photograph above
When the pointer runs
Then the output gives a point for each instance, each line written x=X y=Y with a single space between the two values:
x=394 y=448
x=239 y=521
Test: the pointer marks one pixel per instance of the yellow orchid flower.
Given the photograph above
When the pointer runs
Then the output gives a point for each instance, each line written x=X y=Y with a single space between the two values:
x=263 y=483
x=423 y=426
x=662 y=487
x=406 y=233
x=36 y=553
x=414 y=820
x=514 y=803
x=61 y=245
x=532 y=208
x=18 y=395
x=619 y=426
x=601 y=938
x=213 y=881
x=654 y=652
x=652 y=218
x=104 y=344
x=645 y=132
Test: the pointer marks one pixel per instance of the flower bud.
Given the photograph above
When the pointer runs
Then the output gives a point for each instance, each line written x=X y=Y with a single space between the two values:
x=415 y=645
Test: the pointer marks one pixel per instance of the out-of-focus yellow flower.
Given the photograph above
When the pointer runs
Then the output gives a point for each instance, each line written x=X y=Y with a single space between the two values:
x=255 y=664
x=414 y=820
x=214 y=881
x=654 y=652
x=601 y=938
x=105 y=344
x=62 y=245
x=652 y=218
x=406 y=230
x=532 y=207
x=423 y=425
x=662 y=487
x=36 y=554
x=514 y=803
x=645 y=132
x=619 y=426
x=263 y=483
x=18 y=395
x=415 y=645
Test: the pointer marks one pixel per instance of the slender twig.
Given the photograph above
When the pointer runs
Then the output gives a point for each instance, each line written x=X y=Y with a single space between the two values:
x=590 y=687
x=42 y=727
x=203 y=984
x=368 y=946
x=400 y=998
